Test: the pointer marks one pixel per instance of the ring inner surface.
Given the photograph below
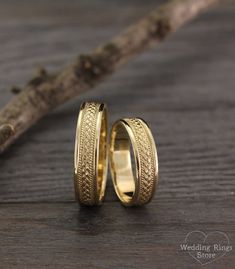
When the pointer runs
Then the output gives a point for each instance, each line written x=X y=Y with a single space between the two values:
x=122 y=157
x=102 y=157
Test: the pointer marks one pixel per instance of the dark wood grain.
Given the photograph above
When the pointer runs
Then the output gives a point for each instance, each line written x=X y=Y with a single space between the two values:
x=59 y=235
x=184 y=89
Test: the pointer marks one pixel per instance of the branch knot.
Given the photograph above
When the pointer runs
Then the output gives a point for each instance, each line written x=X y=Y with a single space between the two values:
x=6 y=131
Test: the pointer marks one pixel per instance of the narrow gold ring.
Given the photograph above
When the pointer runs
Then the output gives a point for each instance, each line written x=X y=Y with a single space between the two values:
x=132 y=141
x=90 y=155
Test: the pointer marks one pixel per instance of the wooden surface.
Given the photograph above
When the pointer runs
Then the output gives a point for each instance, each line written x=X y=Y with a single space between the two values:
x=183 y=88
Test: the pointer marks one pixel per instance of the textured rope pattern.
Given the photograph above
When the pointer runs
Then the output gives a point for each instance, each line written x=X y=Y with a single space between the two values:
x=146 y=155
x=86 y=182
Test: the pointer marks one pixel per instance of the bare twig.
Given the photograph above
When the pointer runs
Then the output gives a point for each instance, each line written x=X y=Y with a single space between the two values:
x=46 y=91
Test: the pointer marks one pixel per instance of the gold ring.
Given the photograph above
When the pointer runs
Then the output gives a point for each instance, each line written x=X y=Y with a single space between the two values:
x=132 y=140
x=90 y=155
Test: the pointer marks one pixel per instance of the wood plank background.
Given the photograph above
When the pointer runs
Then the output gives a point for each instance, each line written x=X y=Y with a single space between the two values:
x=183 y=88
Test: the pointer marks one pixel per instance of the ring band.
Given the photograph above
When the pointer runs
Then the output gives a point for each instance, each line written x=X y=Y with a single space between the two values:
x=132 y=139
x=90 y=155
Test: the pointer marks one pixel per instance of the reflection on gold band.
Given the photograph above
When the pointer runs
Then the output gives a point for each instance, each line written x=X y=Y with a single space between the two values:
x=90 y=156
x=132 y=144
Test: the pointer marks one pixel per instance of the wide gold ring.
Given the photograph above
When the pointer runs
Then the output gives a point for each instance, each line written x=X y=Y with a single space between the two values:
x=90 y=155
x=132 y=144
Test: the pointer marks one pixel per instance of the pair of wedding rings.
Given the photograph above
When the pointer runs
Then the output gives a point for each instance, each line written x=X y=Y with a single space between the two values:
x=131 y=152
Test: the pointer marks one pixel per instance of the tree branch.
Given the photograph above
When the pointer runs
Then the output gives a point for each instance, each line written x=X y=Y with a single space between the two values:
x=46 y=91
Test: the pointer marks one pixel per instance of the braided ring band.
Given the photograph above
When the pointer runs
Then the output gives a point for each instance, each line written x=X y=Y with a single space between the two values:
x=131 y=139
x=90 y=156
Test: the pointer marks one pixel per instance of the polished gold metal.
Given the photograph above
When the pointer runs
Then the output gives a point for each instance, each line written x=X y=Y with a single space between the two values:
x=90 y=156
x=132 y=143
